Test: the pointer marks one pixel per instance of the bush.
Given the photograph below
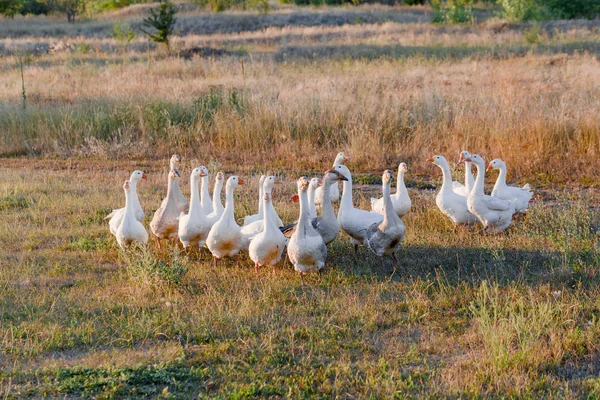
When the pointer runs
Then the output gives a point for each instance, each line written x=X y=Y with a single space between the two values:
x=453 y=12
x=538 y=10
x=162 y=21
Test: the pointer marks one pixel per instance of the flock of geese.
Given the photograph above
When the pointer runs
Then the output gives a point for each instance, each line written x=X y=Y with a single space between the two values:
x=263 y=235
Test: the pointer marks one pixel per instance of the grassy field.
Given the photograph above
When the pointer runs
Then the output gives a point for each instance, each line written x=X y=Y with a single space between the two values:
x=462 y=314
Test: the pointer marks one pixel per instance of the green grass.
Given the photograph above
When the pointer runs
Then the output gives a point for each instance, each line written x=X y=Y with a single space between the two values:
x=463 y=314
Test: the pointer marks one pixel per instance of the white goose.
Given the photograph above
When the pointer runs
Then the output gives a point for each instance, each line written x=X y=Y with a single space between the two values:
x=205 y=199
x=218 y=188
x=400 y=199
x=353 y=221
x=130 y=229
x=458 y=187
x=180 y=200
x=453 y=205
x=519 y=196
x=194 y=226
x=495 y=214
x=165 y=223
x=334 y=193
x=326 y=224
x=225 y=238
x=306 y=249
x=267 y=247
x=384 y=238
x=258 y=216
x=313 y=184
x=116 y=216
x=254 y=228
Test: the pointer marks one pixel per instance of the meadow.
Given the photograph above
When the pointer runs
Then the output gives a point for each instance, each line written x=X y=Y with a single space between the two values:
x=462 y=314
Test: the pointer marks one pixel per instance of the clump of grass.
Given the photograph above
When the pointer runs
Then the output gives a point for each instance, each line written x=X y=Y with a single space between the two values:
x=14 y=201
x=142 y=265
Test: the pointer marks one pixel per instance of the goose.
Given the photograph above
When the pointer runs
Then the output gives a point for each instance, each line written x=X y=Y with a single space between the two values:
x=326 y=224
x=334 y=193
x=205 y=200
x=130 y=229
x=519 y=196
x=384 y=238
x=267 y=247
x=306 y=249
x=116 y=216
x=495 y=214
x=254 y=228
x=225 y=238
x=451 y=204
x=458 y=187
x=194 y=226
x=180 y=200
x=353 y=221
x=218 y=188
x=313 y=184
x=165 y=224
x=400 y=199
x=258 y=216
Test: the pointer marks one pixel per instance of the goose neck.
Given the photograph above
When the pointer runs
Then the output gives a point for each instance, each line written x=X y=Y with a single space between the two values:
x=303 y=220
x=446 y=178
x=346 y=202
x=478 y=187
x=326 y=207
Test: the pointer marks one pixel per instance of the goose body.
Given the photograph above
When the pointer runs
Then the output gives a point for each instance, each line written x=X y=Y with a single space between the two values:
x=267 y=247
x=384 y=238
x=116 y=216
x=400 y=200
x=451 y=204
x=495 y=214
x=165 y=222
x=195 y=225
x=306 y=249
x=130 y=230
x=353 y=221
x=180 y=200
x=225 y=238
x=254 y=228
x=334 y=191
x=326 y=224
x=258 y=216
x=458 y=187
x=520 y=197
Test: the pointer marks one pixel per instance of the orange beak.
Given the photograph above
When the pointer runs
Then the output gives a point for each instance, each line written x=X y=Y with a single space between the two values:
x=489 y=168
x=144 y=176
x=278 y=181
x=295 y=198
x=241 y=181
x=346 y=158
x=430 y=159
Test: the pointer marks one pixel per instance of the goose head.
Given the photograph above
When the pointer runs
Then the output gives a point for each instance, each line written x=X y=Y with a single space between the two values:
x=269 y=182
x=334 y=175
x=464 y=155
x=341 y=157
x=387 y=177
x=315 y=183
x=438 y=160
x=203 y=171
x=477 y=160
x=342 y=169
x=234 y=181
x=126 y=186
x=174 y=163
x=302 y=184
x=196 y=173
x=220 y=176
x=403 y=167
x=496 y=164
x=137 y=175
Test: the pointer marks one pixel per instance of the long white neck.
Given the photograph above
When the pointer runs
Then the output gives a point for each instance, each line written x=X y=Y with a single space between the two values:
x=446 y=178
x=195 y=205
x=129 y=205
x=217 y=195
x=133 y=190
x=346 y=202
x=269 y=221
x=303 y=222
x=204 y=196
x=228 y=212
x=312 y=209
x=502 y=176
x=478 y=188
x=400 y=187
x=469 y=180
x=388 y=207
x=326 y=208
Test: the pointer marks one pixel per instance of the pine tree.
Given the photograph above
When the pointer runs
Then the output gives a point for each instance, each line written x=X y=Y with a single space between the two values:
x=163 y=21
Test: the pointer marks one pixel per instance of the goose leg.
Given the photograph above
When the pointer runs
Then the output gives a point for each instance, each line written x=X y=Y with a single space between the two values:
x=157 y=239
x=256 y=267
x=355 y=249
x=274 y=270
x=302 y=278
x=214 y=262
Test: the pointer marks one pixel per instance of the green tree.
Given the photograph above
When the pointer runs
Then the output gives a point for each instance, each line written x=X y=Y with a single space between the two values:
x=163 y=23
x=10 y=7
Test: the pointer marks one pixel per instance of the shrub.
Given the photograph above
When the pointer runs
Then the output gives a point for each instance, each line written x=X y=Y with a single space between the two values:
x=453 y=12
x=161 y=20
